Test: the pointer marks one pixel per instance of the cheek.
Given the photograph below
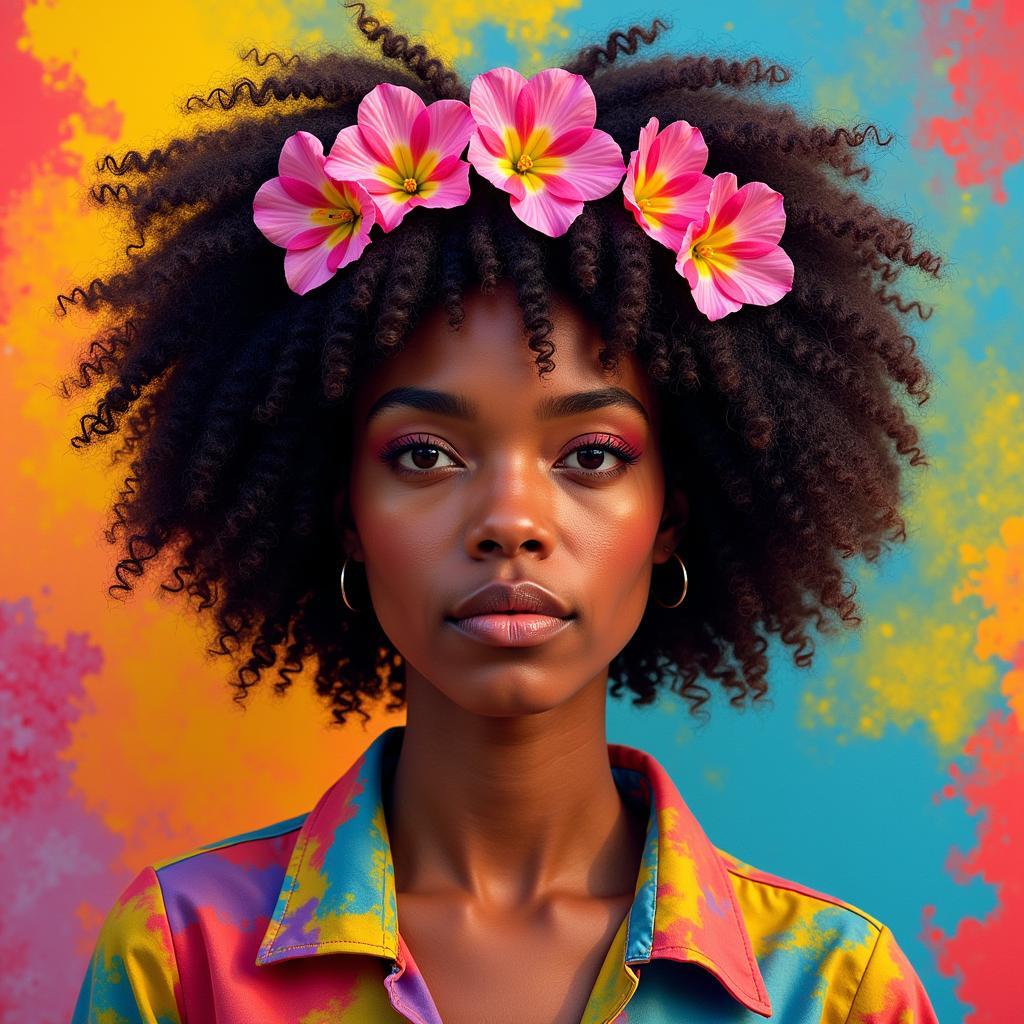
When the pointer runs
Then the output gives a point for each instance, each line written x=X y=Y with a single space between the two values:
x=626 y=542
x=633 y=541
x=631 y=524
x=402 y=547
x=614 y=551
x=375 y=517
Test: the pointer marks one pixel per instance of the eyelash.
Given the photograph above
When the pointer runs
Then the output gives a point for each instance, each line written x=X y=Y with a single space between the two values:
x=410 y=442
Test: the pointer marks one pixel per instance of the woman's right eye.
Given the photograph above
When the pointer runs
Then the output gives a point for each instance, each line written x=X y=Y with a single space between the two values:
x=423 y=455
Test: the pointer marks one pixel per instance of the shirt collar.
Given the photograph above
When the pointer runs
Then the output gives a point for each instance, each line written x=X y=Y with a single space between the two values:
x=338 y=893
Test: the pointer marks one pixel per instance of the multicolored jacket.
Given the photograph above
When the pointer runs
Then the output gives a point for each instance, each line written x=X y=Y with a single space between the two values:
x=297 y=923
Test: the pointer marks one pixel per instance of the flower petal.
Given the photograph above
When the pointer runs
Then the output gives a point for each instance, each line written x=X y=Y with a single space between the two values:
x=591 y=172
x=304 y=193
x=546 y=212
x=567 y=142
x=390 y=111
x=560 y=185
x=685 y=263
x=492 y=100
x=628 y=191
x=706 y=286
x=376 y=186
x=392 y=206
x=448 y=165
x=743 y=270
x=358 y=199
x=665 y=186
x=312 y=236
x=346 y=248
x=279 y=215
x=305 y=269
x=711 y=299
x=638 y=162
x=595 y=168
x=678 y=149
x=490 y=140
x=496 y=168
x=310 y=267
x=723 y=188
x=302 y=157
x=450 y=190
x=760 y=281
x=648 y=133
x=356 y=156
x=387 y=117
x=747 y=250
x=666 y=215
x=445 y=127
x=556 y=101
x=569 y=179
x=755 y=213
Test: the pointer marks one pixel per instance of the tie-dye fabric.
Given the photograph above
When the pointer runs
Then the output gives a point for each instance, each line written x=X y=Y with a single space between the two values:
x=297 y=922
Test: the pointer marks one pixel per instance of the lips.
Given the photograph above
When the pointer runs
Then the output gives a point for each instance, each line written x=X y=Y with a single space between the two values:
x=523 y=596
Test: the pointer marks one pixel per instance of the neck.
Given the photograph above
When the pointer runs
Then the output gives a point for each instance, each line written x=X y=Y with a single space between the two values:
x=510 y=811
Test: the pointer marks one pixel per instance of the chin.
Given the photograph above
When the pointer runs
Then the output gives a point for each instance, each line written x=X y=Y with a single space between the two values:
x=508 y=693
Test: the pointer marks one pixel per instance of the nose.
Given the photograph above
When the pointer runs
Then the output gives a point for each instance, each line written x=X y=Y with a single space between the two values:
x=513 y=511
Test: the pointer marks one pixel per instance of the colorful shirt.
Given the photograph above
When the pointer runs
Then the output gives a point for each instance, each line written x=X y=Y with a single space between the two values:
x=297 y=923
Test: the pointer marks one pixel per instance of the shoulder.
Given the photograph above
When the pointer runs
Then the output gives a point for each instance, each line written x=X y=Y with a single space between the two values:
x=763 y=896
x=132 y=972
x=235 y=868
x=800 y=934
x=136 y=968
x=238 y=878
x=267 y=843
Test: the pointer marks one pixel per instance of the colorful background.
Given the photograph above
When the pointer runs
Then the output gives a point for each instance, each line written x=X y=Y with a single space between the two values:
x=890 y=774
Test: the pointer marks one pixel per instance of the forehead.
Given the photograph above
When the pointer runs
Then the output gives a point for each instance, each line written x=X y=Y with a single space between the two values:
x=489 y=361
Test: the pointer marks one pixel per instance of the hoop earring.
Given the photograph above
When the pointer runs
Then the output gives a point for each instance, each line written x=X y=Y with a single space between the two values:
x=686 y=584
x=344 y=596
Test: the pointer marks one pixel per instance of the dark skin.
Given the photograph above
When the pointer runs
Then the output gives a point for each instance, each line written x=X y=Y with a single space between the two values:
x=515 y=857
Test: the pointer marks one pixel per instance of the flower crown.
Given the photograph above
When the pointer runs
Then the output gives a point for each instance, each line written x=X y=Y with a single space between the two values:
x=535 y=139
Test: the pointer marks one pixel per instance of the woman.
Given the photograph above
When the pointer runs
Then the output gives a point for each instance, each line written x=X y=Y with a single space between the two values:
x=376 y=460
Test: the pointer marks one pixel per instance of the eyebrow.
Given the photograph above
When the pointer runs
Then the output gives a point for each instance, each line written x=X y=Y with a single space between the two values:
x=443 y=403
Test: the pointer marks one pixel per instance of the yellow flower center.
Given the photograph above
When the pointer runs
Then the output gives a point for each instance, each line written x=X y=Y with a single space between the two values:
x=341 y=215
x=643 y=203
x=524 y=163
x=703 y=251
x=410 y=185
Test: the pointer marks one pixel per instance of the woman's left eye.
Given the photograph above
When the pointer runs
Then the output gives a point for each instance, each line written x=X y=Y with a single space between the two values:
x=589 y=455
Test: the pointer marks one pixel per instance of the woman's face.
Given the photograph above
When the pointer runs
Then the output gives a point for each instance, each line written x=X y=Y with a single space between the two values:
x=506 y=493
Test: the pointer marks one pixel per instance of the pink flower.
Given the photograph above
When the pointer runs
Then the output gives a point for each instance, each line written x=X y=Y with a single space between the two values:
x=730 y=256
x=536 y=140
x=323 y=223
x=404 y=152
x=665 y=186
